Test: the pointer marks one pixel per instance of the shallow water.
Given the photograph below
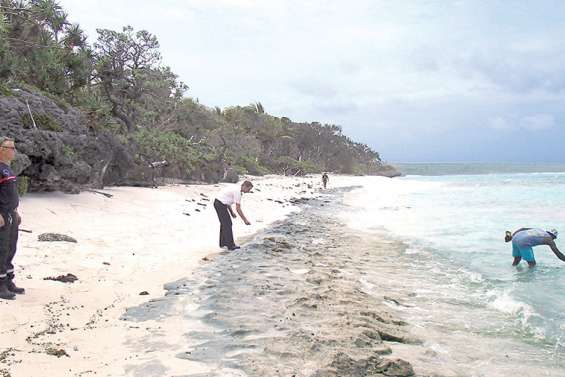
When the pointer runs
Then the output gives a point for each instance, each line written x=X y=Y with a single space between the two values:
x=470 y=300
x=313 y=296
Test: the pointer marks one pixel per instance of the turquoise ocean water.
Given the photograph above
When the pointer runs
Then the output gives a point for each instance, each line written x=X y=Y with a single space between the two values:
x=480 y=315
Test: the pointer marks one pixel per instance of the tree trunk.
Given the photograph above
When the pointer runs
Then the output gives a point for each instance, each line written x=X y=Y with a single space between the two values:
x=116 y=109
x=123 y=117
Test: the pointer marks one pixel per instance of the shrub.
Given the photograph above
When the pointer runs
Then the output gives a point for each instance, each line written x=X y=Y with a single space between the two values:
x=23 y=185
x=289 y=166
x=5 y=91
x=63 y=105
x=250 y=165
x=69 y=151
x=43 y=121
x=158 y=145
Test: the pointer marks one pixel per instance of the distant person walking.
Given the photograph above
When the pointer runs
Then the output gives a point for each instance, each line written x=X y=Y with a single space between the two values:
x=9 y=220
x=154 y=166
x=524 y=239
x=325 y=179
x=223 y=204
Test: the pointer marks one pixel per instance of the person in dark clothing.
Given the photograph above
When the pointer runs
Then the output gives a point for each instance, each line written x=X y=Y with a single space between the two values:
x=9 y=220
x=154 y=166
x=223 y=204
x=325 y=179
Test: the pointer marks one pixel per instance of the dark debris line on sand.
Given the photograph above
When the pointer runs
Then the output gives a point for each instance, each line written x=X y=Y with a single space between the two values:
x=290 y=304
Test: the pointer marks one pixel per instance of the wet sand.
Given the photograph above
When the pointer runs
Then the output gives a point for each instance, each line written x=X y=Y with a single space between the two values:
x=129 y=245
x=292 y=302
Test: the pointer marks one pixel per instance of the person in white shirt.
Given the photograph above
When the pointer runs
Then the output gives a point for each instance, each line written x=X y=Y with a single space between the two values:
x=223 y=202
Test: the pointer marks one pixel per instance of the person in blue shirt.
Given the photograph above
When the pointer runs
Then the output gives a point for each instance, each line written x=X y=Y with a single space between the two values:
x=524 y=239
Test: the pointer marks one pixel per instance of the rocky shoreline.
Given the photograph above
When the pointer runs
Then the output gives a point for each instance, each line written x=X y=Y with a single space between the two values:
x=290 y=303
x=63 y=148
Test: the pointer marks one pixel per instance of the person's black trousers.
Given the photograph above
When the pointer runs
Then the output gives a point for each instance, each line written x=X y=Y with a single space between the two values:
x=226 y=233
x=8 y=246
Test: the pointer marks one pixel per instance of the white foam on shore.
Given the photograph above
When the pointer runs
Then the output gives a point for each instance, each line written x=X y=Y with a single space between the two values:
x=300 y=271
x=522 y=313
x=457 y=266
x=507 y=304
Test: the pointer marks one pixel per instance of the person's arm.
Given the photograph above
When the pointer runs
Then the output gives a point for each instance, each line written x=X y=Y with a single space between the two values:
x=555 y=250
x=18 y=218
x=238 y=209
x=231 y=212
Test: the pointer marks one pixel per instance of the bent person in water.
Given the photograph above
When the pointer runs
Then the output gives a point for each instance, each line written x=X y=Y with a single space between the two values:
x=524 y=239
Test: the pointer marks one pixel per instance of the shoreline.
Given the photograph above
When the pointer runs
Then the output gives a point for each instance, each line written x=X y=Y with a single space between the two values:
x=136 y=241
x=316 y=316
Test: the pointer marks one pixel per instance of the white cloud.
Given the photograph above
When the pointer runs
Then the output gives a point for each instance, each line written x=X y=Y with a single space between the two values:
x=500 y=123
x=350 y=62
x=534 y=122
x=538 y=122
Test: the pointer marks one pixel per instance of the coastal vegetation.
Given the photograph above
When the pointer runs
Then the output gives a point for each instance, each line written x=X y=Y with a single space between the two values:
x=117 y=89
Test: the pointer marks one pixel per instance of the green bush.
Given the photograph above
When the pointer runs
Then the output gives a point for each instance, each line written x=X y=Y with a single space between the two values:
x=63 y=105
x=43 y=121
x=307 y=167
x=47 y=123
x=158 y=145
x=290 y=166
x=241 y=170
x=26 y=121
x=69 y=151
x=5 y=91
x=250 y=165
x=23 y=185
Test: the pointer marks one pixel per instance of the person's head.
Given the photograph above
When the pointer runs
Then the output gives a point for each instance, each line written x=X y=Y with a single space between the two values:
x=508 y=236
x=246 y=186
x=7 y=149
x=553 y=233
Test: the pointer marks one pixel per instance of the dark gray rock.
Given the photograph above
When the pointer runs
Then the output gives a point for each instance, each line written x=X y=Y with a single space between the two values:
x=345 y=366
x=61 y=152
x=61 y=148
x=68 y=278
x=20 y=163
x=55 y=237
x=387 y=171
x=395 y=368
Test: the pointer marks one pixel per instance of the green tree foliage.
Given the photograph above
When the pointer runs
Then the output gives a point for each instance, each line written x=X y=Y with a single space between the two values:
x=129 y=72
x=155 y=145
x=41 y=48
x=122 y=86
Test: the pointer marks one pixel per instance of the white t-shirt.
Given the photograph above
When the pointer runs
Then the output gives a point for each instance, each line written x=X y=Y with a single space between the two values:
x=230 y=195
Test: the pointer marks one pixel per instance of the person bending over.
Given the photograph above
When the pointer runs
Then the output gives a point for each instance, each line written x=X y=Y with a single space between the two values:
x=223 y=202
x=524 y=239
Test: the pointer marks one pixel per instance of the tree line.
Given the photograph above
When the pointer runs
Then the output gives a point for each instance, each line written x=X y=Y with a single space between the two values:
x=121 y=84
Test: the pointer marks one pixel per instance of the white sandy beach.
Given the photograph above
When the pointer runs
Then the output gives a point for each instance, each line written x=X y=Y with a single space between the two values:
x=135 y=241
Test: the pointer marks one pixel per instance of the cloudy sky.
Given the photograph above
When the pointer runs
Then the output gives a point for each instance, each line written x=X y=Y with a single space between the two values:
x=418 y=80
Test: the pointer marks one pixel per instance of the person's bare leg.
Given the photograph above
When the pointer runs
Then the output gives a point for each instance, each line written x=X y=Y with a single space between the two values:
x=516 y=261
